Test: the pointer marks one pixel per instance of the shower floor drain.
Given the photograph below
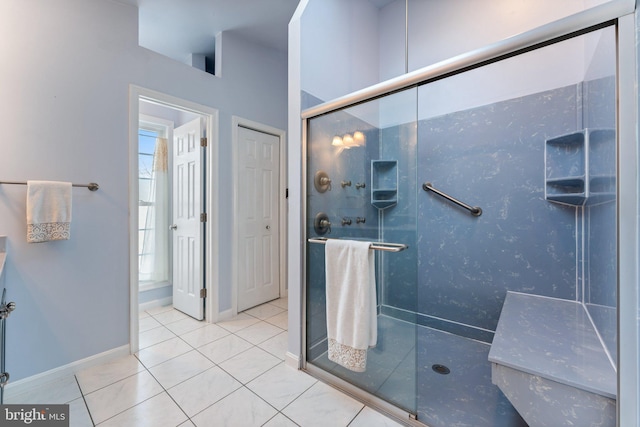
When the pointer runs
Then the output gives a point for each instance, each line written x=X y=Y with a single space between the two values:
x=440 y=369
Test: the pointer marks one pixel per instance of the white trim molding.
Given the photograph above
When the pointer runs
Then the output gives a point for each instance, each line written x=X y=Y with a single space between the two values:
x=156 y=303
x=211 y=116
x=292 y=360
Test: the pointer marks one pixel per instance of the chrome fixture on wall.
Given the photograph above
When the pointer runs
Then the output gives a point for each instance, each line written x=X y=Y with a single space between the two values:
x=322 y=182
x=473 y=210
x=321 y=223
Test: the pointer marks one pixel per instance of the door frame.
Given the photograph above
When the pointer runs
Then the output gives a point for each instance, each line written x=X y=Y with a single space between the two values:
x=238 y=122
x=210 y=262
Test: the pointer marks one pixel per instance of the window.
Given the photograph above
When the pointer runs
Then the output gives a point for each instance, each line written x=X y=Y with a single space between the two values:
x=153 y=203
x=146 y=148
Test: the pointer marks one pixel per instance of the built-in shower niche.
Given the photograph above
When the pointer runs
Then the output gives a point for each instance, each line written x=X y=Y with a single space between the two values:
x=384 y=183
x=580 y=167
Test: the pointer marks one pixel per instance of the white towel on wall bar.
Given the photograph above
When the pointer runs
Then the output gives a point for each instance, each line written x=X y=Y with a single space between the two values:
x=351 y=302
x=48 y=211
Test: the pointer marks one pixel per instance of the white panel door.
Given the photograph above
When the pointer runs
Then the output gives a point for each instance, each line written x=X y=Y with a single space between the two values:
x=188 y=230
x=258 y=218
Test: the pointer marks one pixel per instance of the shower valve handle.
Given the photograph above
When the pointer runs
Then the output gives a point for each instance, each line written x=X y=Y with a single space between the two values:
x=326 y=224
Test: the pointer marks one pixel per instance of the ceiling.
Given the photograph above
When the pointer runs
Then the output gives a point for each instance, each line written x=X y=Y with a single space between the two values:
x=179 y=28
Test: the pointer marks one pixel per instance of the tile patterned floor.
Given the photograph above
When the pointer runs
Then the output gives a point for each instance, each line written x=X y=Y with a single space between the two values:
x=189 y=373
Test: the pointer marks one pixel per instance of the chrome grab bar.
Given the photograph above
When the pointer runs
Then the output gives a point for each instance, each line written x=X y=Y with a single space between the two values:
x=378 y=246
x=474 y=210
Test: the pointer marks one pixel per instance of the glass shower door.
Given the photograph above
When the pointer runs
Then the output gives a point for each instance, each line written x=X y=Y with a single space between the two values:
x=531 y=140
x=361 y=185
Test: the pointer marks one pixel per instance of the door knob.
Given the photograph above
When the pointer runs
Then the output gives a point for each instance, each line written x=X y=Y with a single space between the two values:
x=268 y=227
x=173 y=227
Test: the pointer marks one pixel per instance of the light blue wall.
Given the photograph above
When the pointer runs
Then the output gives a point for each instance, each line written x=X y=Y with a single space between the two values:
x=70 y=121
x=340 y=53
x=156 y=294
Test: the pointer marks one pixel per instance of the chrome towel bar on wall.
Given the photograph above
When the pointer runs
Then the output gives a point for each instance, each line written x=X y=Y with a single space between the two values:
x=474 y=210
x=92 y=186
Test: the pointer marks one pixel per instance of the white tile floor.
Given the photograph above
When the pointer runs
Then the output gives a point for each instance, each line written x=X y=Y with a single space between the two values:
x=190 y=373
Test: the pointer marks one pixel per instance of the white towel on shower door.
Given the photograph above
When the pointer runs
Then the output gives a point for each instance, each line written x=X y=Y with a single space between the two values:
x=48 y=211
x=351 y=302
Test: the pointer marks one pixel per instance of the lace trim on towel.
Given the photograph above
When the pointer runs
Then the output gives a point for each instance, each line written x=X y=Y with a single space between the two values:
x=349 y=357
x=48 y=231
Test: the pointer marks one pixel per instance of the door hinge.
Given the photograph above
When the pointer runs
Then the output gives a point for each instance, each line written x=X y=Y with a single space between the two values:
x=286 y=194
x=203 y=293
x=203 y=142
x=203 y=217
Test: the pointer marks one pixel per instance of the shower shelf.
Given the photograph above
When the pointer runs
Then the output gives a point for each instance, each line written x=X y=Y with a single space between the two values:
x=384 y=183
x=580 y=167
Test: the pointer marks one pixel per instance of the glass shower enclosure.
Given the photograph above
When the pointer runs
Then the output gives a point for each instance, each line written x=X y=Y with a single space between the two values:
x=495 y=181
x=362 y=184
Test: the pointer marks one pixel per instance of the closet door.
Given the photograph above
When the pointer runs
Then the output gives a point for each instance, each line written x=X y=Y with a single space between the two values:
x=259 y=218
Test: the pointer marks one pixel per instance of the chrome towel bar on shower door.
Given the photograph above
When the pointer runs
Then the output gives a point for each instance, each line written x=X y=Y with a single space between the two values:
x=474 y=210
x=378 y=246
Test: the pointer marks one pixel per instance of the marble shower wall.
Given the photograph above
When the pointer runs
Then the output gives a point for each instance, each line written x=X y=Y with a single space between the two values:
x=337 y=203
x=399 y=225
x=493 y=157
x=458 y=267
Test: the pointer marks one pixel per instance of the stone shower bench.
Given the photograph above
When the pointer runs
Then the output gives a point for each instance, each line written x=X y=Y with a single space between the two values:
x=549 y=361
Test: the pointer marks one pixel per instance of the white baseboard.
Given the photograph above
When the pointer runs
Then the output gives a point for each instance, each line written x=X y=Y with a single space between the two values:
x=292 y=360
x=26 y=384
x=225 y=315
x=155 y=303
